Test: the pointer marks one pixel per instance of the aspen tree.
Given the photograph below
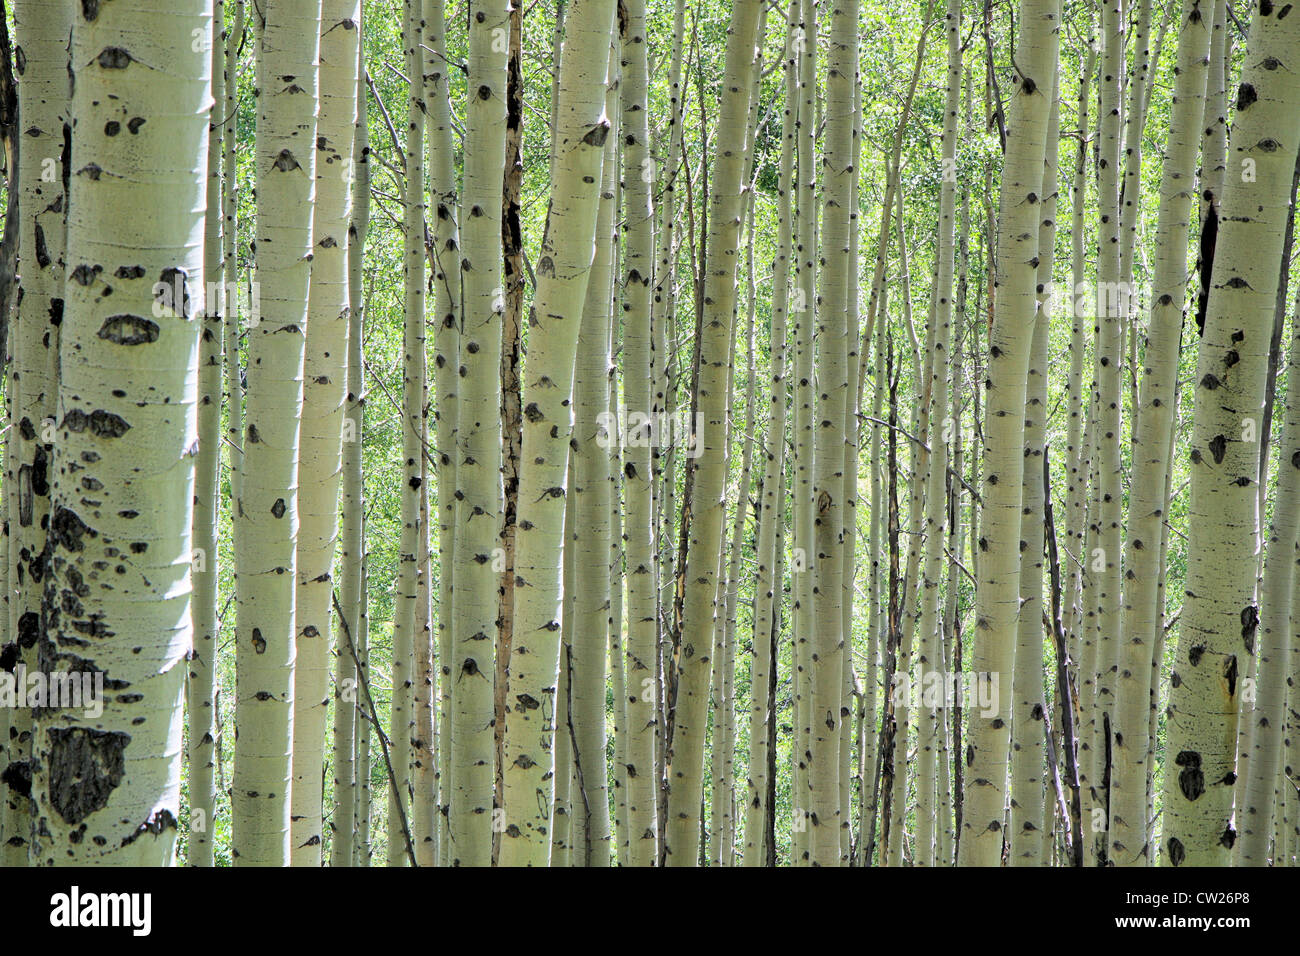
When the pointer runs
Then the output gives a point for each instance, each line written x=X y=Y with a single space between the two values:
x=876 y=624
x=40 y=39
x=591 y=438
x=346 y=766
x=833 y=388
x=662 y=330
x=478 y=440
x=560 y=833
x=234 y=434
x=201 y=677
x=364 y=847
x=724 y=749
x=424 y=723
x=321 y=444
x=852 y=449
x=804 y=311
x=123 y=466
x=1266 y=716
x=1076 y=451
x=1155 y=420
x=1027 y=721
x=266 y=509
x=402 y=710
x=920 y=465
x=639 y=700
x=512 y=246
x=771 y=510
x=565 y=274
x=1220 y=615
x=446 y=274
x=1009 y=351
x=930 y=659
x=1112 y=309
x=614 y=469
x=685 y=752
x=1214 y=139
x=1135 y=87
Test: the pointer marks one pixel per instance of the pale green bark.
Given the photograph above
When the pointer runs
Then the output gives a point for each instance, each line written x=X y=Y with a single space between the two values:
x=201 y=677
x=1112 y=311
x=118 y=559
x=1143 y=611
x=771 y=509
x=1076 y=450
x=347 y=693
x=592 y=435
x=1220 y=614
x=685 y=752
x=40 y=39
x=1028 y=757
x=564 y=276
x=642 y=366
x=997 y=596
x=803 y=308
x=826 y=815
x=930 y=658
x=266 y=509
x=401 y=726
x=478 y=442
x=1266 y=719
x=445 y=271
x=320 y=451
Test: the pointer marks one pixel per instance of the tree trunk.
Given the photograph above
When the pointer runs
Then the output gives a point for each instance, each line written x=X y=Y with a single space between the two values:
x=997 y=597
x=1143 y=611
x=324 y=394
x=685 y=751
x=533 y=714
x=127 y=433
x=266 y=510
x=1220 y=609
x=478 y=441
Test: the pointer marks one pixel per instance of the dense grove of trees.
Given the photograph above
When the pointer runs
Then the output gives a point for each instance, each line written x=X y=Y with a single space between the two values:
x=632 y=432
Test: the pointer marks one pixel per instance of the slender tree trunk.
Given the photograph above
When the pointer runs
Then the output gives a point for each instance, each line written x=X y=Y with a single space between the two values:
x=642 y=366
x=1143 y=611
x=444 y=262
x=512 y=242
x=771 y=510
x=347 y=769
x=1266 y=719
x=685 y=752
x=1009 y=352
x=534 y=715
x=930 y=660
x=424 y=724
x=591 y=490
x=478 y=441
x=803 y=309
x=1112 y=309
x=266 y=510
x=401 y=726
x=1030 y=714
x=1077 y=453
x=324 y=395
x=201 y=676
